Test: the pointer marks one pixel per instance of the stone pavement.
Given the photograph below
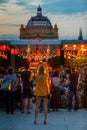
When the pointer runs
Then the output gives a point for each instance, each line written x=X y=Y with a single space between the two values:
x=61 y=120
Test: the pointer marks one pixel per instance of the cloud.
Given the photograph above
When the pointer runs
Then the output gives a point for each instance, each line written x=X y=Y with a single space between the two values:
x=20 y=3
x=9 y=37
x=69 y=15
x=28 y=5
x=66 y=6
x=11 y=25
x=4 y=1
x=3 y=5
x=2 y=9
x=29 y=2
x=54 y=7
x=69 y=25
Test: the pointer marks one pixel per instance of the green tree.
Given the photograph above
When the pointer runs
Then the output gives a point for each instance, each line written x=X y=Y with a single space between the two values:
x=19 y=61
x=54 y=62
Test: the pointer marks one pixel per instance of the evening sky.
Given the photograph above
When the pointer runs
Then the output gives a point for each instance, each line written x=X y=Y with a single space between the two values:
x=69 y=15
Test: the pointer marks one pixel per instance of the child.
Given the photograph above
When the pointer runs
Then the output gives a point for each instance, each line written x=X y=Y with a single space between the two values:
x=63 y=100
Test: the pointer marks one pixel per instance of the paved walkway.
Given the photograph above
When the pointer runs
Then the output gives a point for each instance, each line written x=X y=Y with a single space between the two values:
x=61 y=120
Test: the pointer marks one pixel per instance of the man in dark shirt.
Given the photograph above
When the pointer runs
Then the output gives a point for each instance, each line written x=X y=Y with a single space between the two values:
x=84 y=84
x=73 y=90
x=27 y=88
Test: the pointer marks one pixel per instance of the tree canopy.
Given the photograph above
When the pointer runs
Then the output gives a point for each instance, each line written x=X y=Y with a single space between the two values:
x=54 y=62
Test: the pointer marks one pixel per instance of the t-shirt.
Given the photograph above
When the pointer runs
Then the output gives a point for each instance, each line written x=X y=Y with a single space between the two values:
x=56 y=81
x=25 y=78
x=13 y=79
x=73 y=81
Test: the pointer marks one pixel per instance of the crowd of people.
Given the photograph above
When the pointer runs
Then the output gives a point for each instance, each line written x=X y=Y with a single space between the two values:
x=49 y=91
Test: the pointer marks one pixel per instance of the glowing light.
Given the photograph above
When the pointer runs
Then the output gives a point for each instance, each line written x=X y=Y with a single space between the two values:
x=74 y=46
x=15 y=51
x=65 y=46
x=3 y=55
x=4 y=48
x=82 y=46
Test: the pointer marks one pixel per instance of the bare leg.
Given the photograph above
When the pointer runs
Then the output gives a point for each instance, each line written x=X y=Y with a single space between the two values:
x=38 y=101
x=28 y=105
x=23 y=104
x=45 y=109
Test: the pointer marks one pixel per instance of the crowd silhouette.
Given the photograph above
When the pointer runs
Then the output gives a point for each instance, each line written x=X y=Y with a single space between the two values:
x=48 y=91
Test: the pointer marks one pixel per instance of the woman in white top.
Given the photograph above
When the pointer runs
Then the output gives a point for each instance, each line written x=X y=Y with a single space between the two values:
x=55 y=100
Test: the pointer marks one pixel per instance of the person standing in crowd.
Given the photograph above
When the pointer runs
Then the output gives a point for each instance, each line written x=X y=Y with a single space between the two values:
x=10 y=94
x=34 y=88
x=84 y=85
x=56 y=98
x=63 y=99
x=85 y=91
x=27 y=88
x=73 y=90
x=41 y=93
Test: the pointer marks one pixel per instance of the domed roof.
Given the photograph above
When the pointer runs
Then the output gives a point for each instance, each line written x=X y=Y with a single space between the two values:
x=39 y=20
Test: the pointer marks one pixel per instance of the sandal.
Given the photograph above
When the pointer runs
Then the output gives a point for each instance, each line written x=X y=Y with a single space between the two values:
x=28 y=112
x=44 y=122
x=35 y=122
x=22 y=111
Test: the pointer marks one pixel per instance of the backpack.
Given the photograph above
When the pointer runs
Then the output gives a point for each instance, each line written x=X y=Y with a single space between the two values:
x=6 y=84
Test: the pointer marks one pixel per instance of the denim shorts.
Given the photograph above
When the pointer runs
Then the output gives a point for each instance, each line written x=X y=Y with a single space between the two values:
x=41 y=96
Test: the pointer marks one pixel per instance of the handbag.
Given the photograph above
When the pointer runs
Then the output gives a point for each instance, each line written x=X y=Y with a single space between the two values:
x=6 y=85
x=52 y=86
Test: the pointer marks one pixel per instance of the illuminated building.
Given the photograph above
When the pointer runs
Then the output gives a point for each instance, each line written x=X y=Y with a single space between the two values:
x=75 y=51
x=39 y=26
x=39 y=41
